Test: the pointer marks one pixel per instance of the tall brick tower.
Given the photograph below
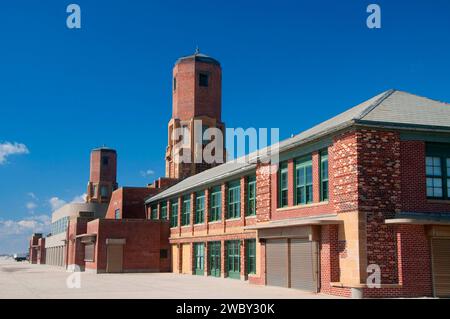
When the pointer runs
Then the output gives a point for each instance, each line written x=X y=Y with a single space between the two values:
x=197 y=96
x=102 y=178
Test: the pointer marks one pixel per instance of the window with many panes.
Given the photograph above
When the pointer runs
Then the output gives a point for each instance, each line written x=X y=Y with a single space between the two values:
x=438 y=171
x=303 y=181
x=154 y=212
x=186 y=211
x=324 y=176
x=234 y=200
x=163 y=210
x=174 y=213
x=215 y=203
x=251 y=256
x=251 y=194
x=283 y=185
x=200 y=208
x=233 y=255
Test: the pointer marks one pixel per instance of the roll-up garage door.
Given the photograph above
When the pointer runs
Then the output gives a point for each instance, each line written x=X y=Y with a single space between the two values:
x=441 y=266
x=175 y=258
x=277 y=262
x=303 y=259
x=186 y=259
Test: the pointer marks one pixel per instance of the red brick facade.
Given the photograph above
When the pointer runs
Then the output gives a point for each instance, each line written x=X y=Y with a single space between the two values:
x=144 y=240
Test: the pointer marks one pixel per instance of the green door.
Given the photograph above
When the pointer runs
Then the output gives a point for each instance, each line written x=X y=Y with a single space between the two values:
x=234 y=259
x=214 y=258
x=199 y=251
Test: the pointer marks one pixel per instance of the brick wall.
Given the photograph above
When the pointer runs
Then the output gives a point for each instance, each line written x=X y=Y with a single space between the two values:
x=329 y=262
x=379 y=188
x=141 y=252
x=414 y=263
x=413 y=185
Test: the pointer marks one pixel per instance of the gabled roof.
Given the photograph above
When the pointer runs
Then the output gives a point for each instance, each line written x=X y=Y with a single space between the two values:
x=390 y=108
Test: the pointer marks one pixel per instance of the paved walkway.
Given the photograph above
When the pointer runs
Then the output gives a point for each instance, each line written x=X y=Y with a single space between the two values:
x=23 y=280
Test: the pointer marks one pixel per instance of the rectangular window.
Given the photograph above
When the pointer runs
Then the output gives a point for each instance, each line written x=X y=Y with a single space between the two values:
x=174 y=214
x=448 y=177
x=199 y=258
x=434 y=177
x=233 y=259
x=89 y=250
x=154 y=212
x=437 y=166
x=186 y=211
x=251 y=194
x=303 y=181
x=216 y=204
x=200 y=208
x=251 y=256
x=164 y=210
x=234 y=199
x=174 y=84
x=94 y=191
x=105 y=160
x=214 y=251
x=104 y=191
x=203 y=79
x=283 y=185
x=117 y=214
x=324 y=176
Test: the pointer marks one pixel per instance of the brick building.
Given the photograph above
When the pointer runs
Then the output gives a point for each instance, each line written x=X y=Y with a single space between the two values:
x=361 y=199
x=363 y=194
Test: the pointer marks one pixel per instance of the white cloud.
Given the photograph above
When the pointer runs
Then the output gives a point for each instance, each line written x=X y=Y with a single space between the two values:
x=31 y=206
x=15 y=234
x=7 y=149
x=32 y=195
x=56 y=203
x=79 y=199
x=147 y=173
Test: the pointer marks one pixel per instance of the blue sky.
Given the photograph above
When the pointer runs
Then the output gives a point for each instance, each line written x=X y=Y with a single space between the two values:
x=286 y=64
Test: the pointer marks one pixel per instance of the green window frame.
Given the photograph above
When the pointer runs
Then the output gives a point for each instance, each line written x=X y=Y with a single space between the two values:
x=251 y=196
x=117 y=214
x=164 y=210
x=303 y=181
x=186 y=211
x=199 y=258
x=200 y=208
x=233 y=259
x=234 y=200
x=174 y=213
x=251 y=256
x=324 y=186
x=214 y=252
x=154 y=212
x=283 y=187
x=215 y=211
x=437 y=168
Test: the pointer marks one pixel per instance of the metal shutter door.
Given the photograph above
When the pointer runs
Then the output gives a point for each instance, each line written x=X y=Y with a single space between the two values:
x=277 y=262
x=186 y=259
x=303 y=265
x=441 y=266
x=175 y=258
x=114 y=258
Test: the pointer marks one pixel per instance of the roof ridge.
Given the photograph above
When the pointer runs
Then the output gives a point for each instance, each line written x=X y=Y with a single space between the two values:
x=374 y=105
